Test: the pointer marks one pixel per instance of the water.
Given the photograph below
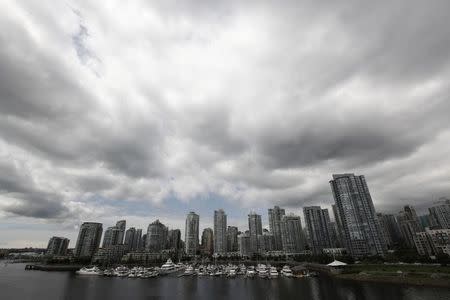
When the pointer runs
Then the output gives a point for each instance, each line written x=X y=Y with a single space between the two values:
x=16 y=283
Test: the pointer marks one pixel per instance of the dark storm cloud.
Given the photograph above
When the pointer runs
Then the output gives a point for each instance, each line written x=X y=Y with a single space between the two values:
x=259 y=103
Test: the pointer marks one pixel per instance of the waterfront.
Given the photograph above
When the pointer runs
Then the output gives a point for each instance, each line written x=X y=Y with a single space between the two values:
x=16 y=283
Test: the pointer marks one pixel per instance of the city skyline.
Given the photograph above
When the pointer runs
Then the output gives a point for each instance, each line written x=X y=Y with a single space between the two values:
x=149 y=110
x=357 y=231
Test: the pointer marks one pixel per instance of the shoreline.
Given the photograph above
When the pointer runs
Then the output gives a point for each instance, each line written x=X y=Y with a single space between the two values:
x=443 y=282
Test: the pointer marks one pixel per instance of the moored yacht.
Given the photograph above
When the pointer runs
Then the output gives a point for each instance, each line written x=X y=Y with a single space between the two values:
x=168 y=267
x=286 y=271
x=262 y=271
x=273 y=272
x=189 y=270
x=89 y=271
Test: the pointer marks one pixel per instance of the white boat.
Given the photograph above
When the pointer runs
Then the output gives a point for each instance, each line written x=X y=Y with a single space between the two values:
x=189 y=270
x=286 y=271
x=89 y=271
x=273 y=272
x=168 y=267
x=250 y=272
x=231 y=273
x=121 y=271
x=262 y=271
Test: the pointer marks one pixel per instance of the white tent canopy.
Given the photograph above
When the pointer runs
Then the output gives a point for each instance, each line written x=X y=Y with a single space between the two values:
x=337 y=263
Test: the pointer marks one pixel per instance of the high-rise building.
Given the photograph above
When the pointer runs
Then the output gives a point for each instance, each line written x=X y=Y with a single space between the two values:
x=339 y=228
x=57 y=246
x=156 y=237
x=208 y=241
x=390 y=225
x=275 y=215
x=432 y=242
x=220 y=231
x=143 y=242
x=121 y=226
x=244 y=244
x=88 y=239
x=174 y=239
x=440 y=212
x=266 y=242
x=317 y=222
x=292 y=234
x=137 y=241
x=409 y=224
x=255 y=229
x=111 y=237
x=129 y=239
x=232 y=242
x=191 y=233
x=362 y=233
x=428 y=221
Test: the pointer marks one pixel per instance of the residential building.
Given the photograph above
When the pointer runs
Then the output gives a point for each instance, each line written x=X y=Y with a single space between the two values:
x=355 y=209
x=317 y=222
x=88 y=239
x=57 y=246
x=255 y=229
x=275 y=215
x=156 y=237
x=121 y=226
x=432 y=242
x=409 y=225
x=191 y=234
x=220 y=232
x=244 y=241
x=129 y=239
x=232 y=241
x=292 y=234
x=208 y=241
x=440 y=212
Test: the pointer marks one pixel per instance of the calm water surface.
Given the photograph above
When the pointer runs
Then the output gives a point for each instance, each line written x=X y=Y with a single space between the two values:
x=16 y=283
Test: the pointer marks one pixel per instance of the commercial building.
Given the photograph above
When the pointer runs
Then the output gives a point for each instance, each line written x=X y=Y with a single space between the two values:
x=362 y=233
x=88 y=239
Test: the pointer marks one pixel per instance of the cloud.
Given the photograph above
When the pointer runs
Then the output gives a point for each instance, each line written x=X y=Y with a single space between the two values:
x=256 y=103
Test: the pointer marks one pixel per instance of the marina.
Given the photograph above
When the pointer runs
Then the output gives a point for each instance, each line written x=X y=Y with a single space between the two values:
x=201 y=270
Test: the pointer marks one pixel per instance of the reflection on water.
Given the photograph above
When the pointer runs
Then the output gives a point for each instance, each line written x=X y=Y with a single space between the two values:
x=16 y=283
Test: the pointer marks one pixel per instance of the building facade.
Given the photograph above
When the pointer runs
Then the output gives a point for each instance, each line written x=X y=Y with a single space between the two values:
x=362 y=233
x=129 y=239
x=292 y=234
x=245 y=244
x=317 y=222
x=207 y=241
x=121 y=225
x=255 y=229
x=440 y=212
x=220 y=232
x=88 y=240
x=191 y=234
x=275 y=215
x=57 y=246
x=232 y=241
x=156 y=237
x=409 y=225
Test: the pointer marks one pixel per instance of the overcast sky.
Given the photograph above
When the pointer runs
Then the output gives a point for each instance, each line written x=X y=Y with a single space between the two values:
x=149 y=109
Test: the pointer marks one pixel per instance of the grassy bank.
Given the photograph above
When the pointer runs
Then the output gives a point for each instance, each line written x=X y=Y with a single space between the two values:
x=423 y=275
